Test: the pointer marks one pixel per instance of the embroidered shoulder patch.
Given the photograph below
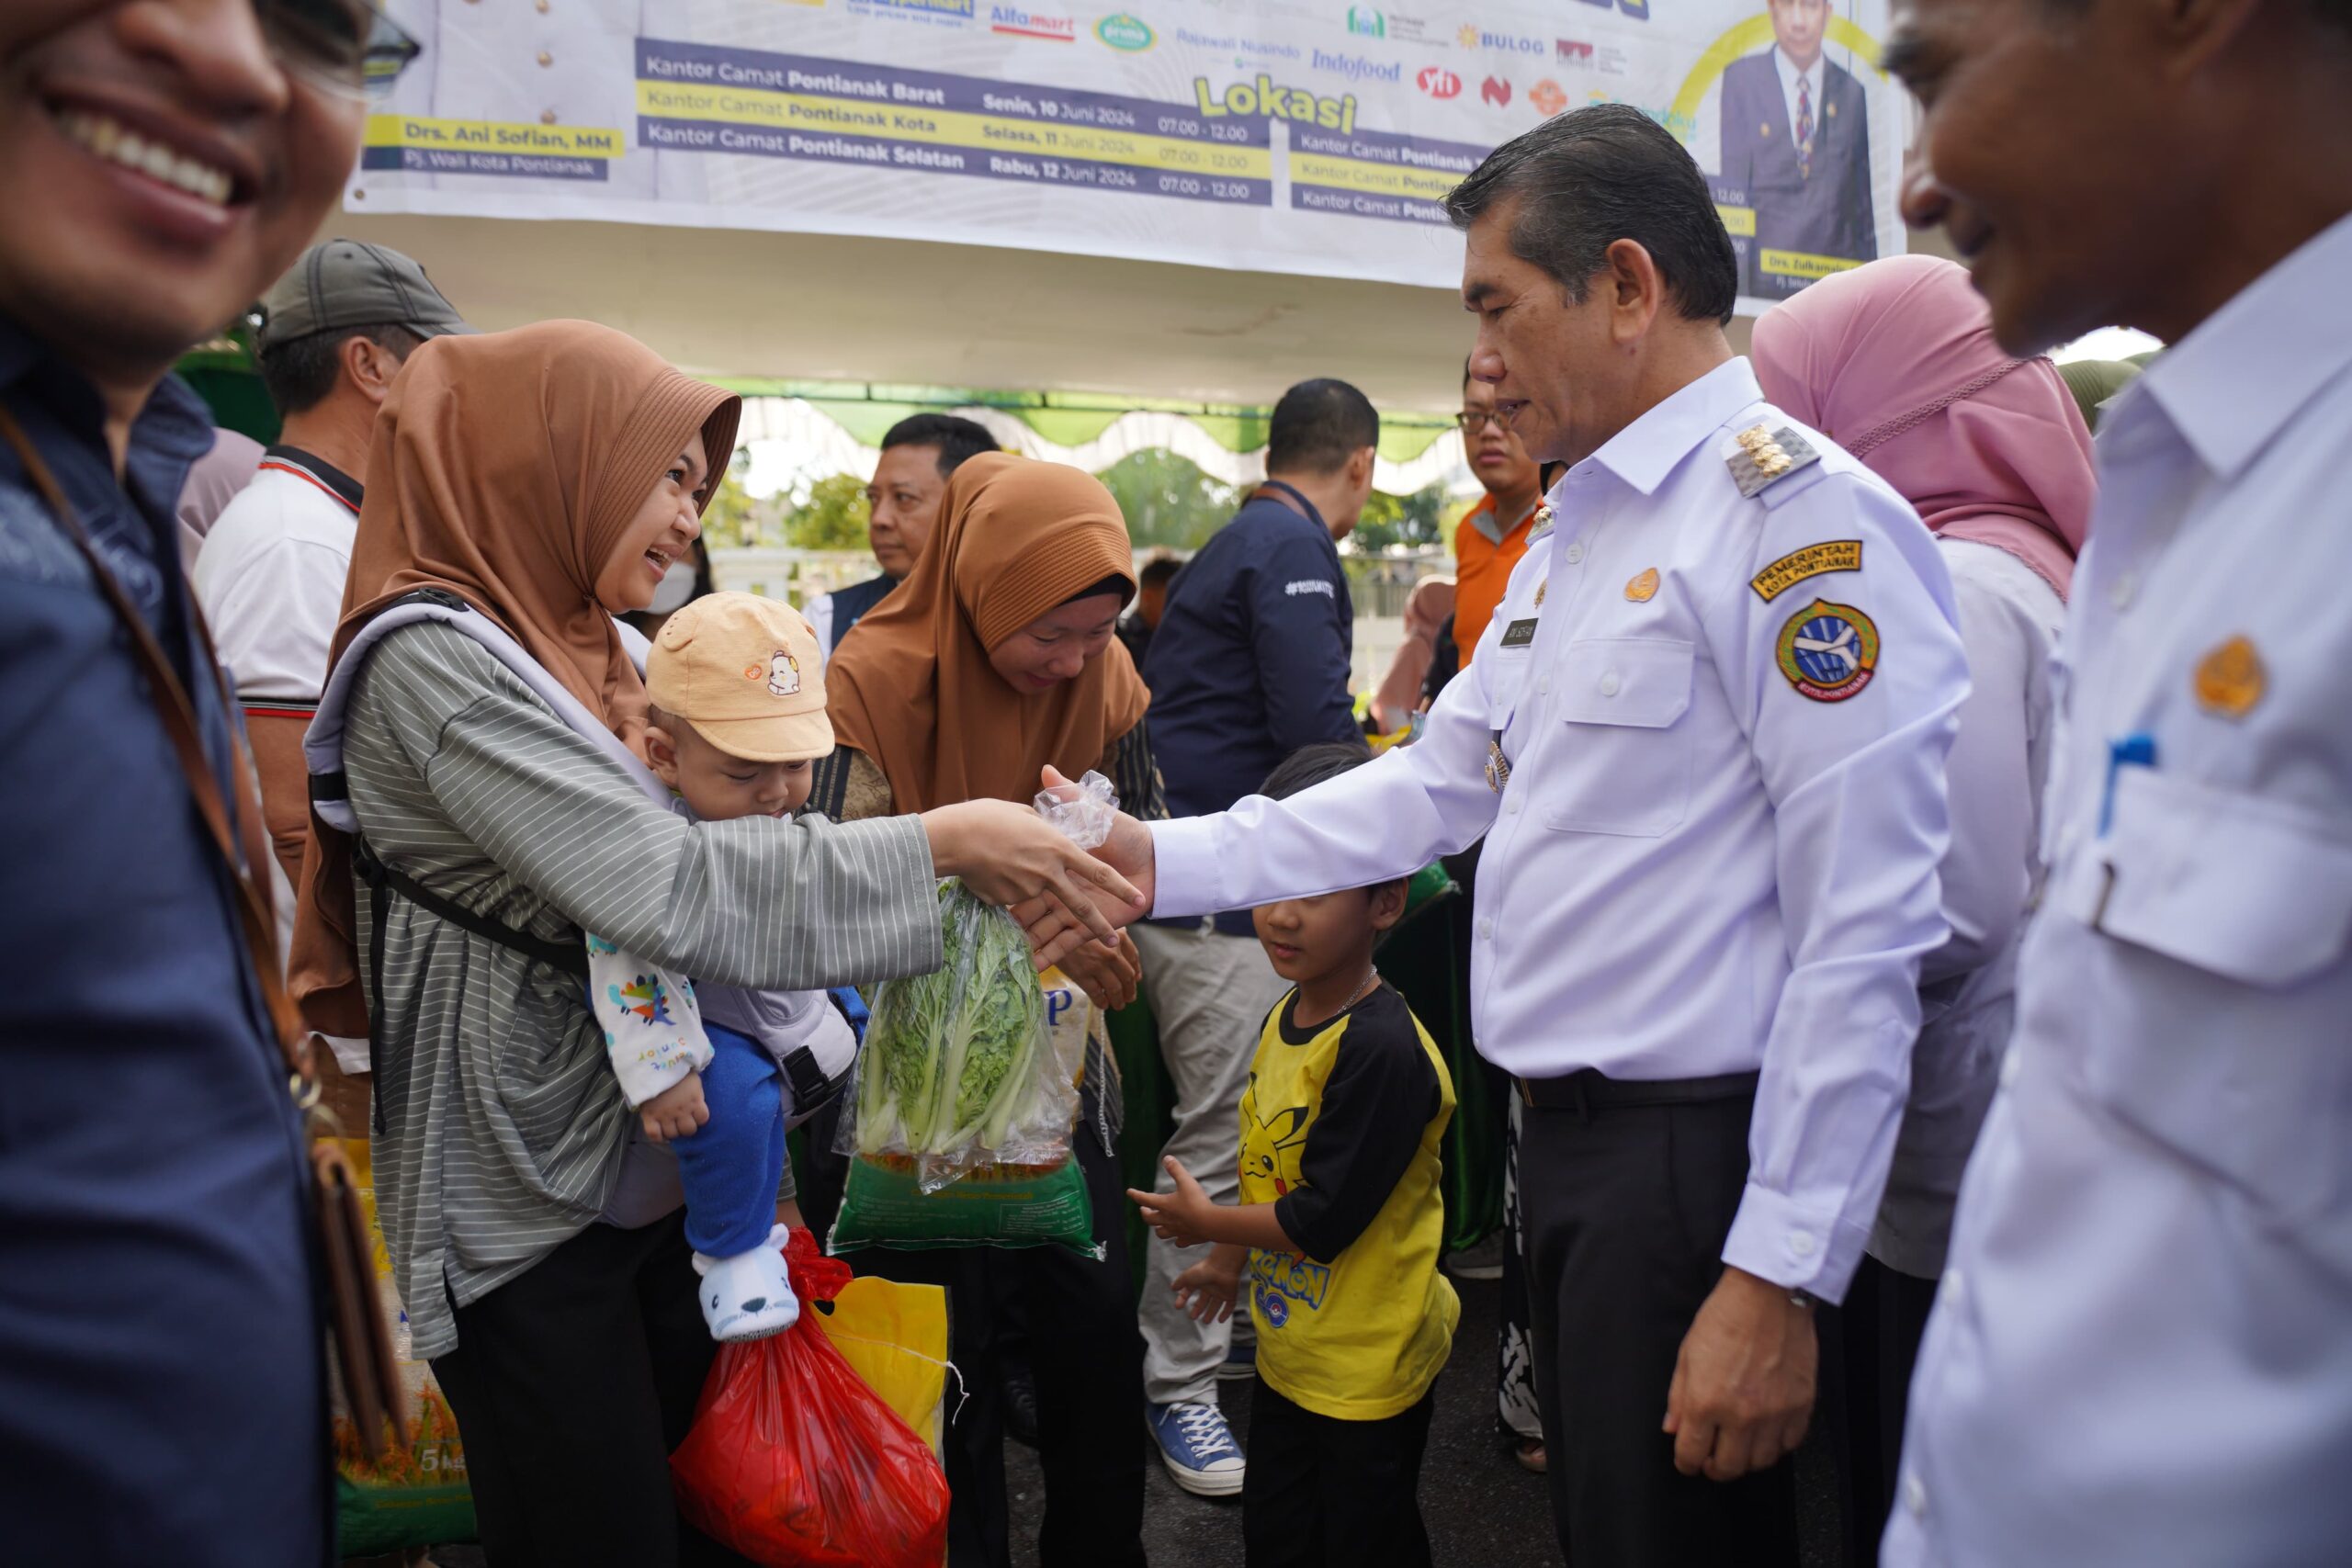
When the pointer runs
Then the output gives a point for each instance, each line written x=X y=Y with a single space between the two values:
x=1761 y=456
x=1829 y=651
x=1830 y=555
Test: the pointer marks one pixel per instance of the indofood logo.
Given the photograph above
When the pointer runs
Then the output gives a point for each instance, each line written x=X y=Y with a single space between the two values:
x=1125 y=33
x=1355 y=67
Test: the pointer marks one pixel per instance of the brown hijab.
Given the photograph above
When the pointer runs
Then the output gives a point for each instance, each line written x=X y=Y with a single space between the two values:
x=504 y=468
x=911 y=686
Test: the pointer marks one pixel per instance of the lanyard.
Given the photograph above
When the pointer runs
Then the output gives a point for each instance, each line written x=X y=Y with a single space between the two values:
x=1306 y=506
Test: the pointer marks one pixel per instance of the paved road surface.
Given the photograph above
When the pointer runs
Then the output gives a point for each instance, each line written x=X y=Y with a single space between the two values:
x=1482 y=1509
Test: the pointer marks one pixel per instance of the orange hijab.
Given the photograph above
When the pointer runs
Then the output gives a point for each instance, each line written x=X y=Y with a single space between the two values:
x=504 y=468
x=911 y=686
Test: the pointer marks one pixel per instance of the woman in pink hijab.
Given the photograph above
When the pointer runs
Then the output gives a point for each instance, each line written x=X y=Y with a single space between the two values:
x=1896 y=361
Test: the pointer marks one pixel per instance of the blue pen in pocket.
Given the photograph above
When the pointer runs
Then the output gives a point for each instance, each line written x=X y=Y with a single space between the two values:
x=2135 y=751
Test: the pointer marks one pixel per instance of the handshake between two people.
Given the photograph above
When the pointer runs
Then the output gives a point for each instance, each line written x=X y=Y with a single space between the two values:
x=1072 y=902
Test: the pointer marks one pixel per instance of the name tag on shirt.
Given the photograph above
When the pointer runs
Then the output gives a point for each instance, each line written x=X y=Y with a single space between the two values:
x=1519 y=634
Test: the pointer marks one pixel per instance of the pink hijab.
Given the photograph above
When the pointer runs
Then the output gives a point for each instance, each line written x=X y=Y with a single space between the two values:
x=1895 y=362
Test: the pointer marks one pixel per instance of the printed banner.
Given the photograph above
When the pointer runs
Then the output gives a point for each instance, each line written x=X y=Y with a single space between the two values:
x=1303 y=139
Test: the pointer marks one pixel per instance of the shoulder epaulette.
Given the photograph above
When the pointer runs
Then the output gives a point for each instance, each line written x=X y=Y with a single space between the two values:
x=1762 y=457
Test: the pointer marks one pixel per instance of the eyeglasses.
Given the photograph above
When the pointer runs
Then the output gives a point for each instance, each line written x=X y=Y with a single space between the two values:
x=346 y=46
x=1471 y=419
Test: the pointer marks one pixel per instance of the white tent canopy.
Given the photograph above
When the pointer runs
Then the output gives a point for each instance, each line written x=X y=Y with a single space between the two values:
x=820 y=307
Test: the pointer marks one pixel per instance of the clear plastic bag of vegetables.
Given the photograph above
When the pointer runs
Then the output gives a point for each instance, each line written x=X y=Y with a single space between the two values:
x=966 y=1100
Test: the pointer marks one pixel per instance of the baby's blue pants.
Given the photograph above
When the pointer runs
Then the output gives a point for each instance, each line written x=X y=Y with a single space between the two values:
x=732 y=1169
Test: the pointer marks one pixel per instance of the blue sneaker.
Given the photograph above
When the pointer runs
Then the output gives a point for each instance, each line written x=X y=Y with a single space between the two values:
x=1197 y=1447
x=1241 y=1362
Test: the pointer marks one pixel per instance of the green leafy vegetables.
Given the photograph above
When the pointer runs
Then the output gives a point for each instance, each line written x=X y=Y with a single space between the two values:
x=955 y=1071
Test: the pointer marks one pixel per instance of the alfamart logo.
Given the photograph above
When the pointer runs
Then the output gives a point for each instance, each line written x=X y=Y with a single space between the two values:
x=1018 y=23
x=1125 y=33
x=1355 y=67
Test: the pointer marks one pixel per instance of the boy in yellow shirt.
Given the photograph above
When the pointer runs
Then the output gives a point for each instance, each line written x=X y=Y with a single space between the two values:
x=1336 y=1235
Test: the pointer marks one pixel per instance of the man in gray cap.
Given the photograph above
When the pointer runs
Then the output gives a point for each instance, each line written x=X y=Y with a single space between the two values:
x=270 y=576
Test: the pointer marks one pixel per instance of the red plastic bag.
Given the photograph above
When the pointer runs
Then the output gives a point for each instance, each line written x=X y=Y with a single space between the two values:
x=793 y=1461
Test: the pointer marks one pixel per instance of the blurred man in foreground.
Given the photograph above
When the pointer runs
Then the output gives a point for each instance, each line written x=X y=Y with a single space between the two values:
x=160 y=1396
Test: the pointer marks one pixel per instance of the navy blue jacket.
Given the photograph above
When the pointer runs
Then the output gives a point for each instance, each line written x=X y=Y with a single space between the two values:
x=1250 y=661
x=1825 y=213
x=161 y=1397
x=850 y=603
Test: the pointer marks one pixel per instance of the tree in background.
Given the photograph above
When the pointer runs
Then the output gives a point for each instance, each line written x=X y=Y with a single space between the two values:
x=1168 y=499
x=1412 y=521
x=730 y=518
x=832 y=518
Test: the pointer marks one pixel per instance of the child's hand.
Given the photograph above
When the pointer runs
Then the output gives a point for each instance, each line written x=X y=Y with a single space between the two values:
x=1207 y=1290
x=1175 y=1216
x=678 y=1112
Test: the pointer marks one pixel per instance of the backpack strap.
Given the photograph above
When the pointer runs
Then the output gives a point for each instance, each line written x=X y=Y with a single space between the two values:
x=568 y=956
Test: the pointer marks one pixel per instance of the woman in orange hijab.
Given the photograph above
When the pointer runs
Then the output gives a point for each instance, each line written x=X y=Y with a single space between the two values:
x=993 y=661
x=543 y=480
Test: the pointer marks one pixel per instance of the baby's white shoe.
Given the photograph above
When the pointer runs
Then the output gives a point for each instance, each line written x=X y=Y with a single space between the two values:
x=748 y=1296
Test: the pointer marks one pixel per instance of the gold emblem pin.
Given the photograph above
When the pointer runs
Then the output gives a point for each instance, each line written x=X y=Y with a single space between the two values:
x=2231 y=679
x=1643 y=589
x=1498 y=766
x=1539 y=592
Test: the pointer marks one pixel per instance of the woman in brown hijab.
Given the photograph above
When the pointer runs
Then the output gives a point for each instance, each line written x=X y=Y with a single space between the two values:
x=544 y=479
x=993 y=661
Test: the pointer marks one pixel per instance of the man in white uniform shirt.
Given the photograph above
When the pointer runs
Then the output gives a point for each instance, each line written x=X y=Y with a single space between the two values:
x=1704 y=738
x=270 y=577
x=2142 y=1350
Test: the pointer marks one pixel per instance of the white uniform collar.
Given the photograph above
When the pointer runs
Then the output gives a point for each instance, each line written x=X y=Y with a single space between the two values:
x=1646 y=451
x=2234 y=382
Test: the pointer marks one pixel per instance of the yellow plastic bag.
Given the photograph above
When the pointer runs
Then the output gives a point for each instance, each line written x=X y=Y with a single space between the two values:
x=418 y=1496
x=895 y=1336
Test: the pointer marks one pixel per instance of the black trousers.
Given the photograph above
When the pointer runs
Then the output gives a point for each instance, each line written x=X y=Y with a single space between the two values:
x=1627 y=1207
x=570 y=1386
x=1869 y=1348
x=1322 y=1492
x=1087 y=1358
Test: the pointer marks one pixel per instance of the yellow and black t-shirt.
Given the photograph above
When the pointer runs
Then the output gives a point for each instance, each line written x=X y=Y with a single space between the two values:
x=1340 y=1130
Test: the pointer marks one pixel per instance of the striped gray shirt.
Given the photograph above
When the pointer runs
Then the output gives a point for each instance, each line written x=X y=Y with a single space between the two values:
x=503 y=1126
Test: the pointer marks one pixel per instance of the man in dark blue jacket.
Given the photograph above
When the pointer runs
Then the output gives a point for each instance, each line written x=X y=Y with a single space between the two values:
x=1248 y=664
x=1796 y=135
x=161 y=1387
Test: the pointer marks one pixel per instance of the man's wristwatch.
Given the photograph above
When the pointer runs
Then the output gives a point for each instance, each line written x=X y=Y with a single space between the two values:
x=1805 y=1298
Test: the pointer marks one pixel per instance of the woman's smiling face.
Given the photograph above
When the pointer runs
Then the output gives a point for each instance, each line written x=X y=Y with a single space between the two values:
x=663 y=531
x=1058 y=645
